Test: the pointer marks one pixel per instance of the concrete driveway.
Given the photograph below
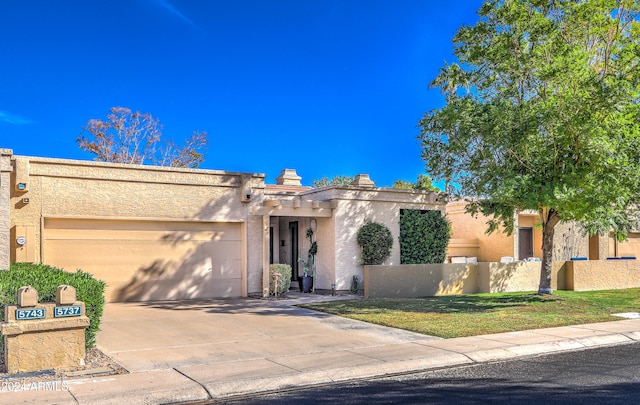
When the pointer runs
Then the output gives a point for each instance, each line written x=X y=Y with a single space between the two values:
x=173 y=335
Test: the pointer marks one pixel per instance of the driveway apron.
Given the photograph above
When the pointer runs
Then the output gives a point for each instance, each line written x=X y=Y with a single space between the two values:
x=161 y=335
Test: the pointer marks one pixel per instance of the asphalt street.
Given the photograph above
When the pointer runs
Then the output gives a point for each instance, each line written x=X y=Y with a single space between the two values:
x=605 y=375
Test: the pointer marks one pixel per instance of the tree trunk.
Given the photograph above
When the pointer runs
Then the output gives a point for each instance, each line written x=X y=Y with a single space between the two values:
x=549 y=219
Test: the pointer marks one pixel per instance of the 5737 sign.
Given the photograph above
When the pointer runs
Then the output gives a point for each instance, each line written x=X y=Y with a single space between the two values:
x=71 y=310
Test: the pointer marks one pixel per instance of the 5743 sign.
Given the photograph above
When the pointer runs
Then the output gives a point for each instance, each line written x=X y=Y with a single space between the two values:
x=70 y=310
x=29 y=313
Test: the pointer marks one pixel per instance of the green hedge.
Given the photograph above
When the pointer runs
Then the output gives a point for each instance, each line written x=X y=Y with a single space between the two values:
x=376 y=241
x=424 y=236
x=284 y=283
x=46 y=279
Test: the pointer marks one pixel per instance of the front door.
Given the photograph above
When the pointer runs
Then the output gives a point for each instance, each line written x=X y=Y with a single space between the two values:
x=525 y=245
x=293 y=239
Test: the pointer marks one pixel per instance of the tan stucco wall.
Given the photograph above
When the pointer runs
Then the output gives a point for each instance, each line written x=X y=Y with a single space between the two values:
x=419 y=280
x=517 y=276
x=470 y=238
x=422 y=280
x=628 y=247
x=591 y=275
x=103 y=191
x=5 y=193
x=569 y=240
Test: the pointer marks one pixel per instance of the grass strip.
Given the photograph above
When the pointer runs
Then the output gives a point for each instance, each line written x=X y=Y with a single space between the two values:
x=481 y=314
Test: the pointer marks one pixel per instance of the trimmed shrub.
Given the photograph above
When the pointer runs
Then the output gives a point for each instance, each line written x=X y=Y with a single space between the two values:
x=375 y=241
x=284 y=282
x=424 y=236
x=46 y=279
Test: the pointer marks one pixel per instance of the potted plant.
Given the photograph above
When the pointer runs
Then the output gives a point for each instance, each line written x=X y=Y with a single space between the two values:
x=307 y=279
x=309 y=266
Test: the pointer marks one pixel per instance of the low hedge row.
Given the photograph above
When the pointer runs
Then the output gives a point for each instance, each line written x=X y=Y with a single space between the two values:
x=46 y=279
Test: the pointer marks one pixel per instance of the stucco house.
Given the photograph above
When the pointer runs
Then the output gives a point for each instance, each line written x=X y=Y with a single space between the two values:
x=469 y=239
x=158 y=233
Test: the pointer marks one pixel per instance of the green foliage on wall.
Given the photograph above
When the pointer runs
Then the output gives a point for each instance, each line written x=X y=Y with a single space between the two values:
x=284 y=280
x=334 y=181
x=375 y=241
x=424 y=236
x=46 y=279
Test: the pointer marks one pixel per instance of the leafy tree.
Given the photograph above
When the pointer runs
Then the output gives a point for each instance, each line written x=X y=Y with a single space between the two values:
x=423 y=183
x=334 y=181
x=542 y=113
x=136 y=138
x=402 y=185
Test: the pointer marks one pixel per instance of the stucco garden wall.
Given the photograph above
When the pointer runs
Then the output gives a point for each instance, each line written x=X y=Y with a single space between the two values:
x=588 y=275
x=422 y=280
x=517 y=276
x=419 y=280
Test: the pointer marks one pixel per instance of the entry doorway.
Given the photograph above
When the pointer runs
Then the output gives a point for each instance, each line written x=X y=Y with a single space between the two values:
x=270 y=245
x=293 y=239
x=525 y=243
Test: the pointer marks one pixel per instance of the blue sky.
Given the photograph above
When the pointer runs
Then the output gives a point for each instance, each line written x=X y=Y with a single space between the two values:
x=328 y=87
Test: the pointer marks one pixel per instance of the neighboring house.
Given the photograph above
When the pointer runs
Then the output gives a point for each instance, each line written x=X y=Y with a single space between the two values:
x=469 y=239
x=158 y=233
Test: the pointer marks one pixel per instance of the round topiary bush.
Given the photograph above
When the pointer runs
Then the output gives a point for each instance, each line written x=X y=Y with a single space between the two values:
x=375 y=241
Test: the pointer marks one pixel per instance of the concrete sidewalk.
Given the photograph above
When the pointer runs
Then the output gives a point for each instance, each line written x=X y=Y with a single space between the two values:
x=191 y=351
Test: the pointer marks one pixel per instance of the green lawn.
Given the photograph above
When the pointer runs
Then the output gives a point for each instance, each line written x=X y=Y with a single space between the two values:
x=479 y=314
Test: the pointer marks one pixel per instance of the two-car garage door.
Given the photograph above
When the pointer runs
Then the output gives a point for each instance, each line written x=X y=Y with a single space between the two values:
x=150 y=260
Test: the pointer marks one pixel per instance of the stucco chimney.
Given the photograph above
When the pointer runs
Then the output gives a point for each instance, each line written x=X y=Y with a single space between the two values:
x=363 y=180
x=288 y=177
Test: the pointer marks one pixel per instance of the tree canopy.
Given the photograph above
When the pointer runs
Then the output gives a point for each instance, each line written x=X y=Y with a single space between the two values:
x=422 y=183
x=136 y=138
x=542 y=113
x=334 y=181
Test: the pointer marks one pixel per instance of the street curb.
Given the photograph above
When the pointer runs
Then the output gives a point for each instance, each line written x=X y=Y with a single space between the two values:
x=302 y=380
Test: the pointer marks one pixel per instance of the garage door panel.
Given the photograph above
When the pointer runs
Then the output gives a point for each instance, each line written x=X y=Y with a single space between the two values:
x=148 y=263
x=120 y=235
x=222 y=248
x=232 y=229
x=226 y=269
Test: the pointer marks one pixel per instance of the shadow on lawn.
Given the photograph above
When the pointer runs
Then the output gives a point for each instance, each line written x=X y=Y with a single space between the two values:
x=447 y=304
